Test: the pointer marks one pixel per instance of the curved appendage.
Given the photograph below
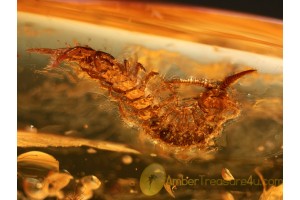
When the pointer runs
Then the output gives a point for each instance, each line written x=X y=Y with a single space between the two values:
x=229 y=80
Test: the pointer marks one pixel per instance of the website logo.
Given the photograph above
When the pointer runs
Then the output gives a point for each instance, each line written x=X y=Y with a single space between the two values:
x=154 y=178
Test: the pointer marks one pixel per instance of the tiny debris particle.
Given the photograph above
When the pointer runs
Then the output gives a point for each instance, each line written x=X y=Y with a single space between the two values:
x=261 y=148
x=227 y=196
x=169 y=190
x=31 y=129
x=91 y=182
x=127 y=159
x=227 y=176
x=91 y=150
x=274 y=192
x=131 y=191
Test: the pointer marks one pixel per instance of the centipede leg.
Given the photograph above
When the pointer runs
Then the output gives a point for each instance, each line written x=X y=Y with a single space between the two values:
x=122 y=112
x=136 y=69
x=149 y=76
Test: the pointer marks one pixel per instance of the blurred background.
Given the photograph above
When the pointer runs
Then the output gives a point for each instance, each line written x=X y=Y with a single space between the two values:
x=268 y=8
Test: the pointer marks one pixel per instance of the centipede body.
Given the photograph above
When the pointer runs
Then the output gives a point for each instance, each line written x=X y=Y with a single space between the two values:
x=151 y=103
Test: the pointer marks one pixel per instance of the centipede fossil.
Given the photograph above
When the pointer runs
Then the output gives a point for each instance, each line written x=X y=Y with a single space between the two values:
x=151 y=103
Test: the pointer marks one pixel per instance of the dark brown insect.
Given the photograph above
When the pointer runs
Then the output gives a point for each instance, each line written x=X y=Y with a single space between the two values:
x=152 y=104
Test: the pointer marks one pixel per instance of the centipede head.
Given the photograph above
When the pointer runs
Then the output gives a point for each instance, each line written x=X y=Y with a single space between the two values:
x=217 y=100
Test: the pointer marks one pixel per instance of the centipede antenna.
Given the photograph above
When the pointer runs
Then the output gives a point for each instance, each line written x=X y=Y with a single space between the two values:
x=231 y=79
x=55 y=54
x=42 y=51
x=206 y=83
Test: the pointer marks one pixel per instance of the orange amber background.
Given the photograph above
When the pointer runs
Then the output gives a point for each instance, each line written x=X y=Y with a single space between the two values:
x=214 y=27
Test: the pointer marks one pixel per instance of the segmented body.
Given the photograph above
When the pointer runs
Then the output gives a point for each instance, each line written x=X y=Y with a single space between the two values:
x=151 y=103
